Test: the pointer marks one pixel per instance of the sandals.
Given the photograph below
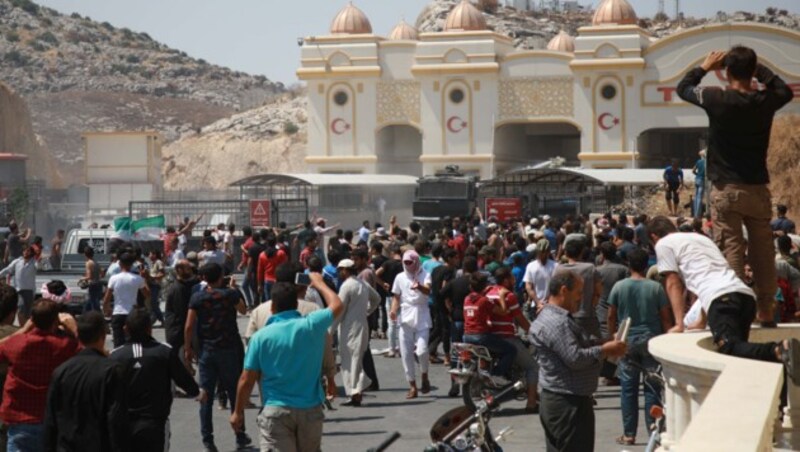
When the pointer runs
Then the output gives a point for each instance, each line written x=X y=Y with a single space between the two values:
x=411 y=394
x=625 y=440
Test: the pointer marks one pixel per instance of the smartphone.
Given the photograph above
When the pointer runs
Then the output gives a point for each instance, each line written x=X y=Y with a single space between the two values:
x=302 y=279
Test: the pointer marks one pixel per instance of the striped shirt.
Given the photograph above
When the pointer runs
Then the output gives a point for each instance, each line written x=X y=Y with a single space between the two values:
x=568 y=362
x=503 y=324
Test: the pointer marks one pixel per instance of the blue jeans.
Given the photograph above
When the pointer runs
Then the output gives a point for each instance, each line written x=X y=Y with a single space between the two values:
x=506 y=351
x=456 y=335
x=630 y=378
x=699 y=192
x=94 y=293
x=249 y=289
x=268 y=290
x=25 y=437
x=223 y=366
x=155 y=307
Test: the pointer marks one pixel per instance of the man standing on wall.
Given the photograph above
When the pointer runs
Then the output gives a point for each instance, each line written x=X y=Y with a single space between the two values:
x=740 y=118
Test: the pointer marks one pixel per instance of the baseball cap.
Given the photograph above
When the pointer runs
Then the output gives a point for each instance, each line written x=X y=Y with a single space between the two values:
x=346 y=263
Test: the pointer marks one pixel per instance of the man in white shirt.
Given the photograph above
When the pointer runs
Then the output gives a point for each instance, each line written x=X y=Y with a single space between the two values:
x=693 y=259
x=123 y=288
x=411 y=301
x=22 y=270
x=364 y=232
x=538 y=274
x=210 y=253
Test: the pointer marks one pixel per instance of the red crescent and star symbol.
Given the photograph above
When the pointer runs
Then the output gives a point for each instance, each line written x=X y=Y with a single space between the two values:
x=339 y=126
x=455 y=124
x=607 y=121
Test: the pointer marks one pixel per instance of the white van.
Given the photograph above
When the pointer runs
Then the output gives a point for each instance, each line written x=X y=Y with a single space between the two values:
x=77 y=240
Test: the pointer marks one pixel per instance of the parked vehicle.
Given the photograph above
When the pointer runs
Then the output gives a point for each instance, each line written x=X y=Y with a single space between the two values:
x=473 y=373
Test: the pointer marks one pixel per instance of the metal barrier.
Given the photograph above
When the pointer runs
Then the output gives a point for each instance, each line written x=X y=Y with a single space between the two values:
x=236 y=211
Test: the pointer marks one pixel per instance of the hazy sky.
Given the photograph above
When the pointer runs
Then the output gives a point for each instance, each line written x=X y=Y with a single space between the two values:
x=260 y=36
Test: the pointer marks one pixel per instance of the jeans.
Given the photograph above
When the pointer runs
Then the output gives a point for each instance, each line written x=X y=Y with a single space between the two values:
x=699 y=192
x=155 y=306
x=117 y=329
x=735 y=205
x=630 y=376
x=221 y=366
x=151 y=435
x=729 y=319
x=25 y=437
x=248 y=288
x=456 y=335
x=506 y=351
x=94 y=294
x=267 y=291
x=568 y=422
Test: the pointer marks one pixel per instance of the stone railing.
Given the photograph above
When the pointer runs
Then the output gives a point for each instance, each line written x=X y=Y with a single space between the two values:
x=719 y=402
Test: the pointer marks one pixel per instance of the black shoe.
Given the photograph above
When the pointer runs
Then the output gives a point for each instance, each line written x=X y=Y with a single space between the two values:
x=210 y=447
x=351 y=402
x=243 y=440
x=455 y=389
x=373 y=387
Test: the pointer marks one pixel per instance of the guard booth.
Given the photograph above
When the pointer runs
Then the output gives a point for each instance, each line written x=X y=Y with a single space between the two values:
x=346 y=199
x=570 y=191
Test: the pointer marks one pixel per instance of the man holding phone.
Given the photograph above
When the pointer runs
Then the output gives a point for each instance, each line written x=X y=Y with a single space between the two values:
x=740 y=119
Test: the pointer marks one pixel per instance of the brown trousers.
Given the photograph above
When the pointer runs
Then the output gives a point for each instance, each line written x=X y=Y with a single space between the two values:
x=737 y=205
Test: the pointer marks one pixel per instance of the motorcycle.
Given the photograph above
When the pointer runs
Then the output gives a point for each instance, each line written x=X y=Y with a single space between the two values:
x=463 y=430
x=473 y=373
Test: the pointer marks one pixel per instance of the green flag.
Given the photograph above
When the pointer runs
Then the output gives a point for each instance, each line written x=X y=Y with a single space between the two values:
x=151 y=228
x=122 y=228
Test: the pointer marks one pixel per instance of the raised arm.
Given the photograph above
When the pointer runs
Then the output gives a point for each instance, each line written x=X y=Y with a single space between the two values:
x=332 y=300
x=689 y=87
x=782 y=94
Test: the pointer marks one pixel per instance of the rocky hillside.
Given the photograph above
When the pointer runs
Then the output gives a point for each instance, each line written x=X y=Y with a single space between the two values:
x=269 y=139
x=77 y=74
x=534 y=29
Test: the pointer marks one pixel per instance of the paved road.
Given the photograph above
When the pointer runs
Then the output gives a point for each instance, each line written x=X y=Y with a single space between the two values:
x=386 y=411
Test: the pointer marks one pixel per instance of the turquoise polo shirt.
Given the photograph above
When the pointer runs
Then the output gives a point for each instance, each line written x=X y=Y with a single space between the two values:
x=288 y=353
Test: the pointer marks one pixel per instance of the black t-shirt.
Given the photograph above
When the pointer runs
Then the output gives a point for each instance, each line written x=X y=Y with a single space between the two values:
x=739 y=125
x=457 y=290
x=14 y=244
x=391 y=268
x=305 y=235
x=439 y=276
x=216 y=318
x=253 y=253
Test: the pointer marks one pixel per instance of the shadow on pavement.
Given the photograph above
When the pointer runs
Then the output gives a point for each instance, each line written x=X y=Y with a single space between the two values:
x=372 y=432
x=349 y=419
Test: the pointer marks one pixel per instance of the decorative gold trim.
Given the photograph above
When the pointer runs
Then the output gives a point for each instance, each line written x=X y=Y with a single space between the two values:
x=608 y=29
x=311 y=40
x=608 y=63
x=328 y=116
x=605 y=156
x=455 y=68
x=537 y=54
x=384 y=125
x=763 y=28
x=449 y=35
x=455 y=157
x=444 y=94
x=624 y=119
x=317 y=160
x=539 y=120
x=339 y=71
x=398 y=43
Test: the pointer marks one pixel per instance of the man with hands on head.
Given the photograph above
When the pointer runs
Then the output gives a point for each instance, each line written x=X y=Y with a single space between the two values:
x=286 y=357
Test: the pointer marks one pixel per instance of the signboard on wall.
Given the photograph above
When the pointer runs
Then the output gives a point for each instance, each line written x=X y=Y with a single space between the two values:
x=504 y=209
x=259 y=213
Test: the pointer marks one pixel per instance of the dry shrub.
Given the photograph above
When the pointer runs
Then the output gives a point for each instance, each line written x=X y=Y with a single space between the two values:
x=783 y=161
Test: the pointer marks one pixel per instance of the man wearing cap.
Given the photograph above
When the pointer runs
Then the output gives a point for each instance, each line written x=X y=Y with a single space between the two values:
x=359 y=300
x=538 y=275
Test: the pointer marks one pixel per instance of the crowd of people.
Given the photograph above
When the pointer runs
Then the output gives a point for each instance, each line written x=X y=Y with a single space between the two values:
x=316 y=291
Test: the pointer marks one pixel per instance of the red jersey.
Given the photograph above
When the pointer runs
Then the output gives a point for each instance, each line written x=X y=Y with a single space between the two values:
x=477 y=312
x=305 y=254
x=459 y=244
x=267 y=265
x=503 y=324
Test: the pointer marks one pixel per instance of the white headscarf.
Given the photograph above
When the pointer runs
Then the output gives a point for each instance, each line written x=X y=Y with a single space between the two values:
x=413 y=269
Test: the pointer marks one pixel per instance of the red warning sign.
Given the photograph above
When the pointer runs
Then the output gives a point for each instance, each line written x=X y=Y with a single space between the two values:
x=504 y=209
x=259 y=213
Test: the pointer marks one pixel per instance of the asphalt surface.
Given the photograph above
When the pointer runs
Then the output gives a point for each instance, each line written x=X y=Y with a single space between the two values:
x=387 y=411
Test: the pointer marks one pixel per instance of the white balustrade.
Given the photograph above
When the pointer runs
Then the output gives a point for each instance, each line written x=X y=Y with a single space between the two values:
x=716 y=402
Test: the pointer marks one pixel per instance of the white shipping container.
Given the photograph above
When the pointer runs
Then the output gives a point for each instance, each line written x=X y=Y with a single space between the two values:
x=117 y=196
x=122 y=157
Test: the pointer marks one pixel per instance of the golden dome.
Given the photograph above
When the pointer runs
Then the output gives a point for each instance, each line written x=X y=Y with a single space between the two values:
x=618 y=12
x=403 y=32
x=562 y=42
x=350 y=21
x=465 y=16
